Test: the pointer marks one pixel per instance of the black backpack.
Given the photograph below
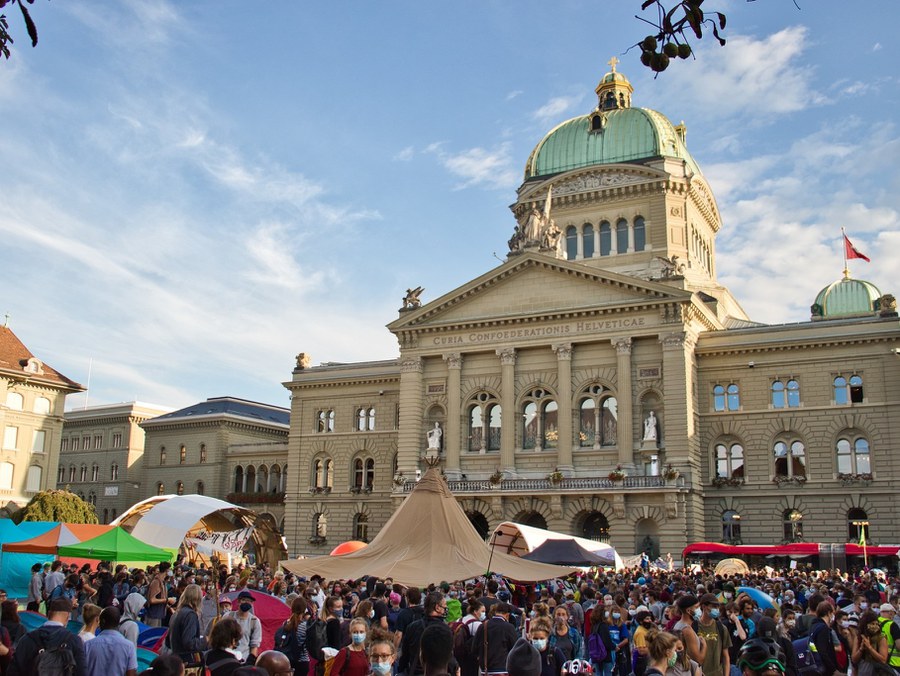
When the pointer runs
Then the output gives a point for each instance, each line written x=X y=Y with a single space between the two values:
x=57 y=660
x=316 y=639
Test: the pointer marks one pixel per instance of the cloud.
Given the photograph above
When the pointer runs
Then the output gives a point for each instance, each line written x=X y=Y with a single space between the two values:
x=480 y=166
x=513 y=94
x=405 y=155
x=556 y=107
x=877 y=47
x=756 y=78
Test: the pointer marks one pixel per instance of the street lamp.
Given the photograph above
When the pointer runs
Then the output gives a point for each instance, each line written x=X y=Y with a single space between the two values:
x=861 y=531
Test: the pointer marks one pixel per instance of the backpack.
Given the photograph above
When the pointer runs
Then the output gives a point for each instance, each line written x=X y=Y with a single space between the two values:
x=462 y=640
x=58 y=660
x=597 y=648
x=316 y=639
x=808 y=660
x=286 y=642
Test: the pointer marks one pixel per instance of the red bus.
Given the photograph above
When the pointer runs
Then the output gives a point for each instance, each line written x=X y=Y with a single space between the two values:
x=812 y=555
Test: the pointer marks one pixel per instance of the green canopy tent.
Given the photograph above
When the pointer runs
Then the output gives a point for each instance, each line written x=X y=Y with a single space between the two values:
x=116 y=545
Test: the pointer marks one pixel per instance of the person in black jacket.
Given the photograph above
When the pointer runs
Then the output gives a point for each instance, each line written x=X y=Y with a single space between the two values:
x=49 y=635
x=185 y=635
x=494 y=639
x=820 y=635
x=599 y=625
x=410 y=662
x=767 y=629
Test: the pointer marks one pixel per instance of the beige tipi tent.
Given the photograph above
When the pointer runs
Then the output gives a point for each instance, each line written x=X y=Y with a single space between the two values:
x=428 y=539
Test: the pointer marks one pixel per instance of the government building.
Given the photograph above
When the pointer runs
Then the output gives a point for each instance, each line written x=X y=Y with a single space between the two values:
x=601 y=382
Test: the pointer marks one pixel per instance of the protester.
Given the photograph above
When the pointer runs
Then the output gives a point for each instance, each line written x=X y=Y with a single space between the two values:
x=110 y=653
x=251 y=628
x=90 y=615
x=352 y=660
x=51 y=635
x=224 y=657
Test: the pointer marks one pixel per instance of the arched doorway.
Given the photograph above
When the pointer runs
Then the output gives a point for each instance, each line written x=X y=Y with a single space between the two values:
x=480 y=522
x=595 y=526
x=534 y=519
x=646 y=538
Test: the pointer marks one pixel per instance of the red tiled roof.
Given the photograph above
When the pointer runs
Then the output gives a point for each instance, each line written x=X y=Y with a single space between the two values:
x=14 y=356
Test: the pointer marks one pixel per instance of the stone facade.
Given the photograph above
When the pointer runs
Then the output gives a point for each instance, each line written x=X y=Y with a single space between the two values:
x=101 y=455
x=542 y=375
x=31 y=417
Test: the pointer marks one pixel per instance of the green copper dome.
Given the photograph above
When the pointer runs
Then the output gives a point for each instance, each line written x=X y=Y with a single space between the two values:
x=847 y=298
x=627 y=135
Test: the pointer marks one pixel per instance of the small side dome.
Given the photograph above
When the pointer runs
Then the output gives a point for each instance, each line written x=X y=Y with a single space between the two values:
x=847 y=298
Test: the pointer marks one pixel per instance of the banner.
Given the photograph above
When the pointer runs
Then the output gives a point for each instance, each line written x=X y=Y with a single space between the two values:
x=227 y=542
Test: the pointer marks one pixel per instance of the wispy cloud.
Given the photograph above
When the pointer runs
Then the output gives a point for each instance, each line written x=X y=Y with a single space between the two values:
x=405 y=155
x=556 y=107
x=513 y=94
x=489 y=168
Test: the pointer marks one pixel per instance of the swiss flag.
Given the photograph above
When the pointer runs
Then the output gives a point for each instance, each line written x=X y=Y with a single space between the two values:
x=852 y=252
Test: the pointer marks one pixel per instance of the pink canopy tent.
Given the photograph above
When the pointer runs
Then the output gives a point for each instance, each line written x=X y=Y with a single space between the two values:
x=271 y=611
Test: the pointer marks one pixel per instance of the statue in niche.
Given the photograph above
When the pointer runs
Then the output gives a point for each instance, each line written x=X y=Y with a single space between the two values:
x=434 y=437
x=650 y=427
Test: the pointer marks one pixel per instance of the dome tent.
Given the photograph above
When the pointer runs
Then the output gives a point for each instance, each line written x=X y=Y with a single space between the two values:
x=166 y=520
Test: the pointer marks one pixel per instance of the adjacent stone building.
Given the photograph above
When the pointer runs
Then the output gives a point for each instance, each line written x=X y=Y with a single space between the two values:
x=33 y=397
x=602 y=382
x=101 y=455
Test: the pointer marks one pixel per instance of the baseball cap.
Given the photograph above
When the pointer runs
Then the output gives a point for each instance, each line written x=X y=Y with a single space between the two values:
x=246 y=595
x=887 y=608
x=710 y=599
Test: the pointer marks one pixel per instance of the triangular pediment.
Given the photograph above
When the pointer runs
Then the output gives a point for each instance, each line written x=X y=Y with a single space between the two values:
x=537 y=285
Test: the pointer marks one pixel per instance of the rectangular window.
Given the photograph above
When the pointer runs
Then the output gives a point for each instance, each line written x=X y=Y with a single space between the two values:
x=86 y=443
x=33 y=479
x=98 y=441
x=37 y=443
x=74 y=443
x=117 y=440
x=64 y=445
x=11 y=438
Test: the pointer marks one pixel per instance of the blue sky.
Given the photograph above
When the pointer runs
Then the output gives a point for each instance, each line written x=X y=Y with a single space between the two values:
x=195 y=192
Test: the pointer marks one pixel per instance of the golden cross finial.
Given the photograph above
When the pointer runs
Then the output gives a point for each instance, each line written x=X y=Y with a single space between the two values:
x=612 y=63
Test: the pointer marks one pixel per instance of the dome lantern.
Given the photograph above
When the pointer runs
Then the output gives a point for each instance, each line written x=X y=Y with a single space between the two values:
x=614 y=91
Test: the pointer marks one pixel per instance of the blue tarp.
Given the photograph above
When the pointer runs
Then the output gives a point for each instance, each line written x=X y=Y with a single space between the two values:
x=15 y=568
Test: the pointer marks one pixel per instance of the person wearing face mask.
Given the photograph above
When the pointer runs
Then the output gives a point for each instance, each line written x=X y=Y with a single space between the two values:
x=352 y=659
x=695 y=646
x=820 y=634
x=552 y=659
x=565 y=637
x=463 y=631
x=871 y=652
x=224 y=657
x=381 y=656
x=787 y=624
x=603 y=666
x=639 y=654
x=619 y=635
x=717 y=661
x=251 y=627
x=661 y=653
x=435 y=613
x=157 y=596
x=684 y=665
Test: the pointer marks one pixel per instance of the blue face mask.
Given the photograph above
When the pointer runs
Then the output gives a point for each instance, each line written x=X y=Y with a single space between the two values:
x=358 y=638
x=714 y=613
x=381 y=668
x=697 y=614
x=539 y=643
x=616 y=616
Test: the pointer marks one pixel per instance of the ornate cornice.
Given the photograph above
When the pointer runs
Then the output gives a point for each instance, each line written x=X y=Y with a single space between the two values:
x=507 y=356
x=411 y=365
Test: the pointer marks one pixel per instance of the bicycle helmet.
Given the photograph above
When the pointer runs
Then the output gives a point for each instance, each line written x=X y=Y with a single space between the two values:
x=578 y=667
x=760 y=653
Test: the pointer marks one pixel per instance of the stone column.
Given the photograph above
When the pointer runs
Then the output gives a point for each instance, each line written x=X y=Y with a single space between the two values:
x=625 y=423
x=509 y=417
x=410 y=439
x=613 y=240
x=677 y=369
x=564 y=402
x=631 y=237
x=454 y=420
x=579 y=239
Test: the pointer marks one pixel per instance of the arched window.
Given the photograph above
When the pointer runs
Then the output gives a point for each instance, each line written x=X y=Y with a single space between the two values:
x=202 y=452
x=160 y=488
x=595 y=527
x=72 y=471
x=733 y=398
x=162 y=455
x=325 y=421
x=6 y=475
x=790 y=459
x=587 y=240
x=320 y=525
x=114 y=472
x=61 y=475
x=793 y=394
x=364 y=473
x=778 y=398
x=238 y=479
x=599 y=417
x=250 y=479
x=484 y=416
x=857 y=525
x=539 y=420
x=605 y=238
x=92 y=499
x=275 y=483
x=792 y=521
x=640 y=234
x=14 y=401
x=571 y=243
x=551 y=424
x=182 y=454
x=371 y=419
x=83 y=474
x=95 y=472
x=360 y=420
x=621 y=236
x=179 y=488
x=201 y=489
x=361 y=527
x=785 y=396
x=729 y=460
x=853 y=456
x=848 y=392
x=262 y=479
x=719 y=398
x=731 y=527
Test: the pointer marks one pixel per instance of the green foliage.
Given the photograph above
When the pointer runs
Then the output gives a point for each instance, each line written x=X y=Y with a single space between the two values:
x=56 y=505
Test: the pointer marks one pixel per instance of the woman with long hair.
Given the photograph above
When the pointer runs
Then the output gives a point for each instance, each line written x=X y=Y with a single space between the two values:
x=333 y=614
x=291 y=638
x=185 y=635
x=469 y=623
x=870 y=652
x=382 y=654
x=600 y=627
x=565 y=637
x=223 y=656
x=552 y=659
x=620 y=635
x=352 y=660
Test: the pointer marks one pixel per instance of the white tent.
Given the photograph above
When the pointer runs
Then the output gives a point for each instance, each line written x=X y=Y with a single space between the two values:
x=518 y=539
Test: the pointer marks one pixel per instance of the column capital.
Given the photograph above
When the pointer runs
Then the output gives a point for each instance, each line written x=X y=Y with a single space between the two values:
x=676 y=340
x=563 y=351
x=507 y=356
x=454 y=360
x=622 y=345
x=411 y=365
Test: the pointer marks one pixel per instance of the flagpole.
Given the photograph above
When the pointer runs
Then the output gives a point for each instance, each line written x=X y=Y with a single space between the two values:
x=844 y=249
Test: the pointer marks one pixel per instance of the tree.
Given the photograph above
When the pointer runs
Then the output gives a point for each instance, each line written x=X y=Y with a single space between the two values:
x=670 y=41
x=57 y=505
x=5 y=38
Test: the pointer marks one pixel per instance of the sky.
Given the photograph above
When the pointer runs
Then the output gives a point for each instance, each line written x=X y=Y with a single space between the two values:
x=195 y=192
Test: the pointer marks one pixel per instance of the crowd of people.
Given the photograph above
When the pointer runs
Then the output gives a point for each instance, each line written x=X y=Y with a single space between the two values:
x=627 y=623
